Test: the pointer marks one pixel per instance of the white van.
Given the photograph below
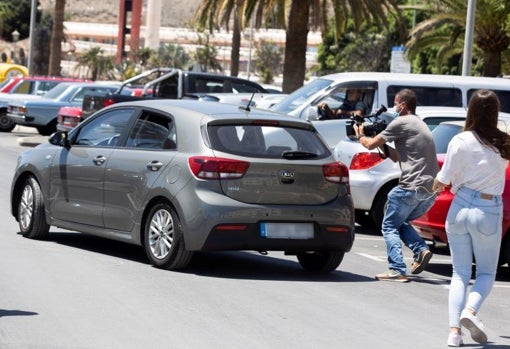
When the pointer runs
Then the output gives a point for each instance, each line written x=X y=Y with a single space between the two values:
x=380 y=88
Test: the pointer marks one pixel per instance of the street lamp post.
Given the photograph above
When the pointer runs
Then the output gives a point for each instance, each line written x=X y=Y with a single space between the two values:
x=15 y=38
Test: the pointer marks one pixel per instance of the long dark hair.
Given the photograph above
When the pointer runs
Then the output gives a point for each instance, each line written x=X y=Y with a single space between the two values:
x=482 y=119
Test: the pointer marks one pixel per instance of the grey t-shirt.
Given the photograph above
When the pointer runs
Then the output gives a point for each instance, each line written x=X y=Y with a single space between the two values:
x=414 y=144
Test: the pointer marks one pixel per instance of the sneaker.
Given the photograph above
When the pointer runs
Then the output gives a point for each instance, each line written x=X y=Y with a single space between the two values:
x=455 y=339
x=475 y=326
x=392 y=275
x=421 y=262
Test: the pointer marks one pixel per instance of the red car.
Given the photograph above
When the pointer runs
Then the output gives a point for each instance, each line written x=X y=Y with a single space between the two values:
x=431 y=226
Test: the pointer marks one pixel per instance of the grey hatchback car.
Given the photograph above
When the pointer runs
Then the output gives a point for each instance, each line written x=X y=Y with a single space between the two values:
x=179 y=176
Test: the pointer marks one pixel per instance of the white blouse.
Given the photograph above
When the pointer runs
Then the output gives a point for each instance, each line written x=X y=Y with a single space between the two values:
x=474 y=165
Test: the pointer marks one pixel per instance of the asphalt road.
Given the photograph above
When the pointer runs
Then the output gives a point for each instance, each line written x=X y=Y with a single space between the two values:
x=75 y=291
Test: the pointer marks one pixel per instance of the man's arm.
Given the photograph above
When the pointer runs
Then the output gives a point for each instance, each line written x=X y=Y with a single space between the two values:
x=375 y=142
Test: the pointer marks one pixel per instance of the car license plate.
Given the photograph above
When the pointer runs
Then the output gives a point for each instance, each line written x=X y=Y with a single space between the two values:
x=287 y=230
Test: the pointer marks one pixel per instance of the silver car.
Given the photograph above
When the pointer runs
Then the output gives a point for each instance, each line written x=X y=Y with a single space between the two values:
x=178 y=176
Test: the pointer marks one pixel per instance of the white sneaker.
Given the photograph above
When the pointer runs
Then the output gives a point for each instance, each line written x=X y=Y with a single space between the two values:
x=455 y=339
x=475 y=326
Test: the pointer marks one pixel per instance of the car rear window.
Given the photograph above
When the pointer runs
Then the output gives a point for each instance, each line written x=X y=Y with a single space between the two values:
x=443 y=134
x=262 y=141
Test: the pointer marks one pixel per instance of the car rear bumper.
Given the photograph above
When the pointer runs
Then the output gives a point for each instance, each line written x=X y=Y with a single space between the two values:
x=249 y=237
x=221 y=223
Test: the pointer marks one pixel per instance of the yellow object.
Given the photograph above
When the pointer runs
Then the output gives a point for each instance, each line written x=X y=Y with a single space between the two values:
x=7 y=70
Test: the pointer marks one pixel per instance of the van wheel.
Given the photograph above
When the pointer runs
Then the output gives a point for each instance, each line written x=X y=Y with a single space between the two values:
x=163 y=239
x=6 y=124
x=320 y=261
x=31 y=215
x=377 y=211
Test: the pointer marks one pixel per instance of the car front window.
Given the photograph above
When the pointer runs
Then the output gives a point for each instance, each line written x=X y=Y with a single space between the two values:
x=104 y=130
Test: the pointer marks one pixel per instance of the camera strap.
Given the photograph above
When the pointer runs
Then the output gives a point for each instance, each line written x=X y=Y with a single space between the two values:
x=386 y=152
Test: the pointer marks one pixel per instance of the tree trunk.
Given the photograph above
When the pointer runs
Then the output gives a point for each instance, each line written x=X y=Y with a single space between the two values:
x=236 y=45
x=294 y=65
x=491 y=63
x=57 y=35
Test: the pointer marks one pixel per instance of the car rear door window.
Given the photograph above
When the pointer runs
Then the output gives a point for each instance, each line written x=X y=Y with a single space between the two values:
x=152 y=131
x=429 y=96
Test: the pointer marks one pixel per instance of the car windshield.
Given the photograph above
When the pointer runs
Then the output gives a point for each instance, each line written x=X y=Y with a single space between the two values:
x=57 y=90
x=298 y=97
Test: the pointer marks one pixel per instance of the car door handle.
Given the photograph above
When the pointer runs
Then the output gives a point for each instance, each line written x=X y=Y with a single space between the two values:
x=154 y=165
x=99 y=160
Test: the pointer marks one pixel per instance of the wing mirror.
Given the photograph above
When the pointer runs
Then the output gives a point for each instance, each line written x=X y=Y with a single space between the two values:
x=59 y=138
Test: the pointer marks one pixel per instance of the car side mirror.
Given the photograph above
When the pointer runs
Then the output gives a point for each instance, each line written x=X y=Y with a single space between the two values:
x=59 y=138
x=311 y=113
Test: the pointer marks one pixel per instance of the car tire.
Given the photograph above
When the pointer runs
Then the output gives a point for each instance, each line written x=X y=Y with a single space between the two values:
x=47 y=130
x=31 y=213
x=320 y=261
x=6 y=124
x=164 y=240
x=377 y=211
x=504 y=256
x=363 y=219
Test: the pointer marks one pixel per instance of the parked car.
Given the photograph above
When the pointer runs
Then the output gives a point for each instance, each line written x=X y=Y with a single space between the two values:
x=8 y=70
x=41 y=113
x=68 y=118
x=19 y=87
x=178 y=176
x=379 y=89
x=371 y=176
x=431 y=225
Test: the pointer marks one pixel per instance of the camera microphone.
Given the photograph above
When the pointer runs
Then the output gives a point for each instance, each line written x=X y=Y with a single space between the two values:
x=381 y=110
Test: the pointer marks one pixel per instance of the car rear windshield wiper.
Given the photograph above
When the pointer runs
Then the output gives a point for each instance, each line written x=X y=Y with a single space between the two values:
x=295 y=155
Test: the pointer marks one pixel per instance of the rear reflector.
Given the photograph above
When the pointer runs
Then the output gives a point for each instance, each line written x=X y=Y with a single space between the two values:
x=208 y=167
x=363 y=161
x=337 y=229
x=230 y=227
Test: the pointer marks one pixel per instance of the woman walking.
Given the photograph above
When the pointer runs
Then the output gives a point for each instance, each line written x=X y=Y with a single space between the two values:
x=475 y=166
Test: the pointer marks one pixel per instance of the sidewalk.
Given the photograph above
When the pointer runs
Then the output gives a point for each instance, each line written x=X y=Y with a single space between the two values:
x=28 y=136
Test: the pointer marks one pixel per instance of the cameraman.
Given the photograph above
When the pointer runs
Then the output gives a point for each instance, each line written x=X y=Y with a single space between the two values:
x=352 y=105
x=413 y=196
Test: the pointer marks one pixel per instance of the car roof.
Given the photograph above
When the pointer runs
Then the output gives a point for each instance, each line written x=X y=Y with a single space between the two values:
x=402 y=78
x=213 y=109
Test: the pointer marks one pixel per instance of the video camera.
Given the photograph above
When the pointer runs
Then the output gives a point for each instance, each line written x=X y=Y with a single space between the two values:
x=372 y=125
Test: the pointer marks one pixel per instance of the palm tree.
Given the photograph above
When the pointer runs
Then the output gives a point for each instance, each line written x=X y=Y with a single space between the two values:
x=213 y=13
x=57 y=35
x=445 y=29
x=95 y=63
x=304 y=15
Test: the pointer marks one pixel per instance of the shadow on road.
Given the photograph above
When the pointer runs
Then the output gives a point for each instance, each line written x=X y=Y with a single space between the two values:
x=222 y=264
x=5 y=312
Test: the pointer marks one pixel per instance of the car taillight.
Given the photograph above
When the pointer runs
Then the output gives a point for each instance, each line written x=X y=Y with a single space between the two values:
x=362 y=161
x=208 y=167
x=336 y=172
x=108 y=101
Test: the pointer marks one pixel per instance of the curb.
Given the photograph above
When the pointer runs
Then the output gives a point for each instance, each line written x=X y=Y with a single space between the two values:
x=31 y=141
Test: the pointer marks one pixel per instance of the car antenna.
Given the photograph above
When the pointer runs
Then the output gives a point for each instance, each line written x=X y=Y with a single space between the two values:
x=249 y=103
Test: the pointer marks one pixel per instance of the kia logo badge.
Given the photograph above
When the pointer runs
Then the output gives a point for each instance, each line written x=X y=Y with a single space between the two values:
x=287 y=174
